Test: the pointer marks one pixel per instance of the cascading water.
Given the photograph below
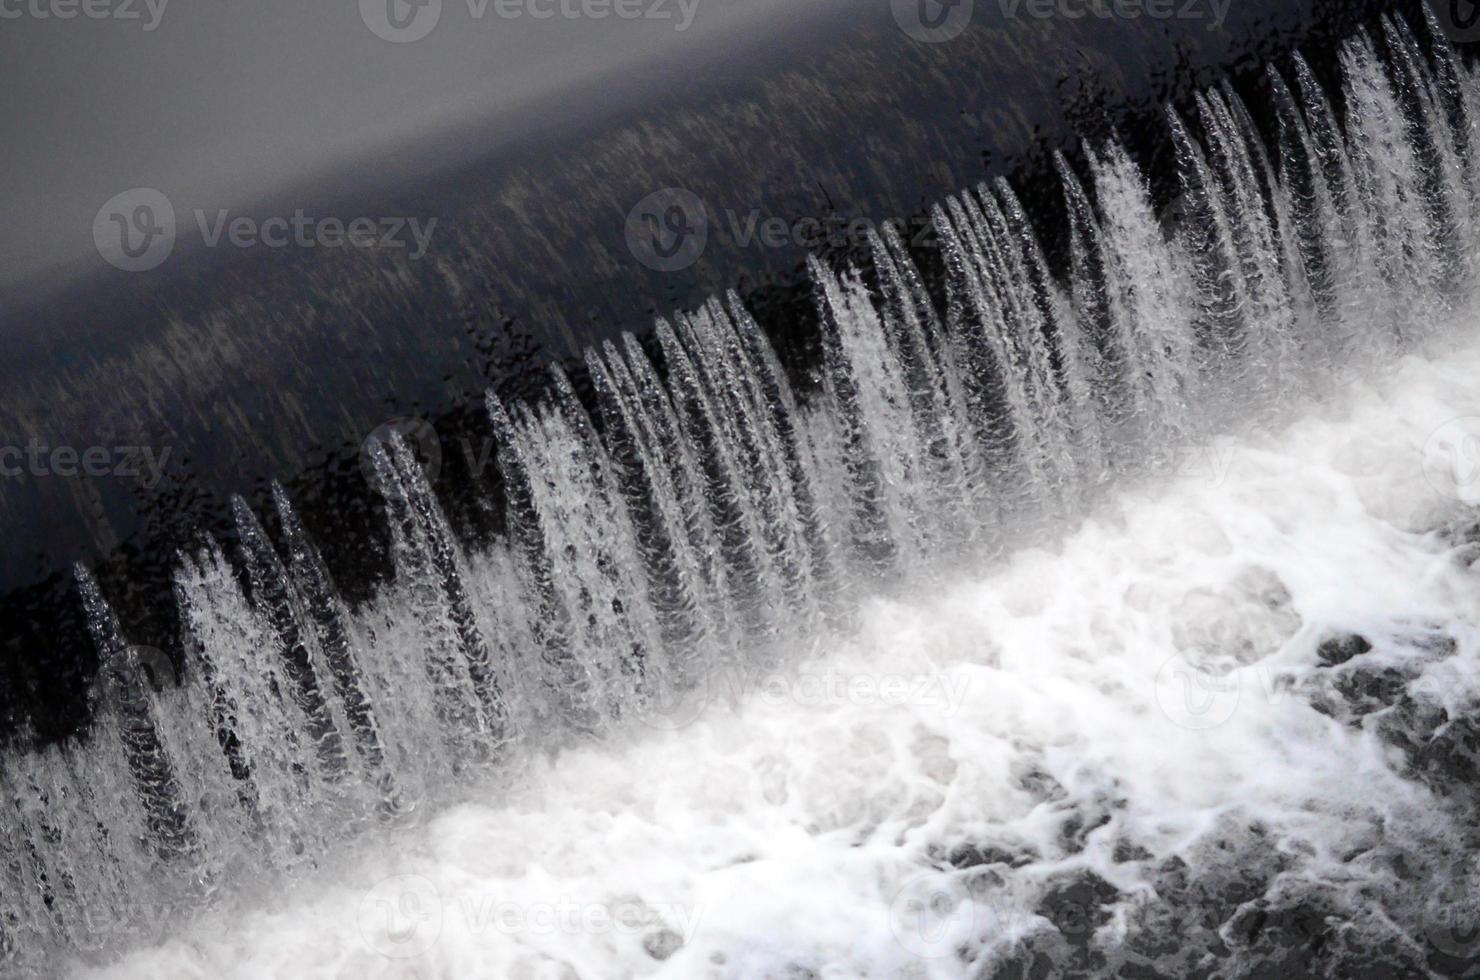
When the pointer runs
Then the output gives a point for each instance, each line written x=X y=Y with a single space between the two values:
x=707 y=519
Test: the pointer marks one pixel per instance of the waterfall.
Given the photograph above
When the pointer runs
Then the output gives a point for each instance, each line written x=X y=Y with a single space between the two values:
x=696 y=515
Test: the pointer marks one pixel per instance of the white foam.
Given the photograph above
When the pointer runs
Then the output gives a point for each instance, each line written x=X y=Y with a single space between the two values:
x=1149 y=664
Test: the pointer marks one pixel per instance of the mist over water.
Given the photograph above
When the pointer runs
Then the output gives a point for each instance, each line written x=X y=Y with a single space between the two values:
x=1110 y=591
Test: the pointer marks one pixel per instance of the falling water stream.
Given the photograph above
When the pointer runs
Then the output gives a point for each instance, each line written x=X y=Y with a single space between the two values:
x=854 y=683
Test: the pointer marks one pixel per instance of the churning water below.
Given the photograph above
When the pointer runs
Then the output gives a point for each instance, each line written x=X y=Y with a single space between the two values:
x=767 y=686
x=1021 y=753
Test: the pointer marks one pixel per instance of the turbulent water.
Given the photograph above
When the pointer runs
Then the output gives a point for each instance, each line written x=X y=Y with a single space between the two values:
x=1097 y=619
x=1123 y=740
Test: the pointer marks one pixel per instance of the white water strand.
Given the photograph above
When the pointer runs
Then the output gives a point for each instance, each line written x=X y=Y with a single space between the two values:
x=716 y=523
x=1011 y=768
